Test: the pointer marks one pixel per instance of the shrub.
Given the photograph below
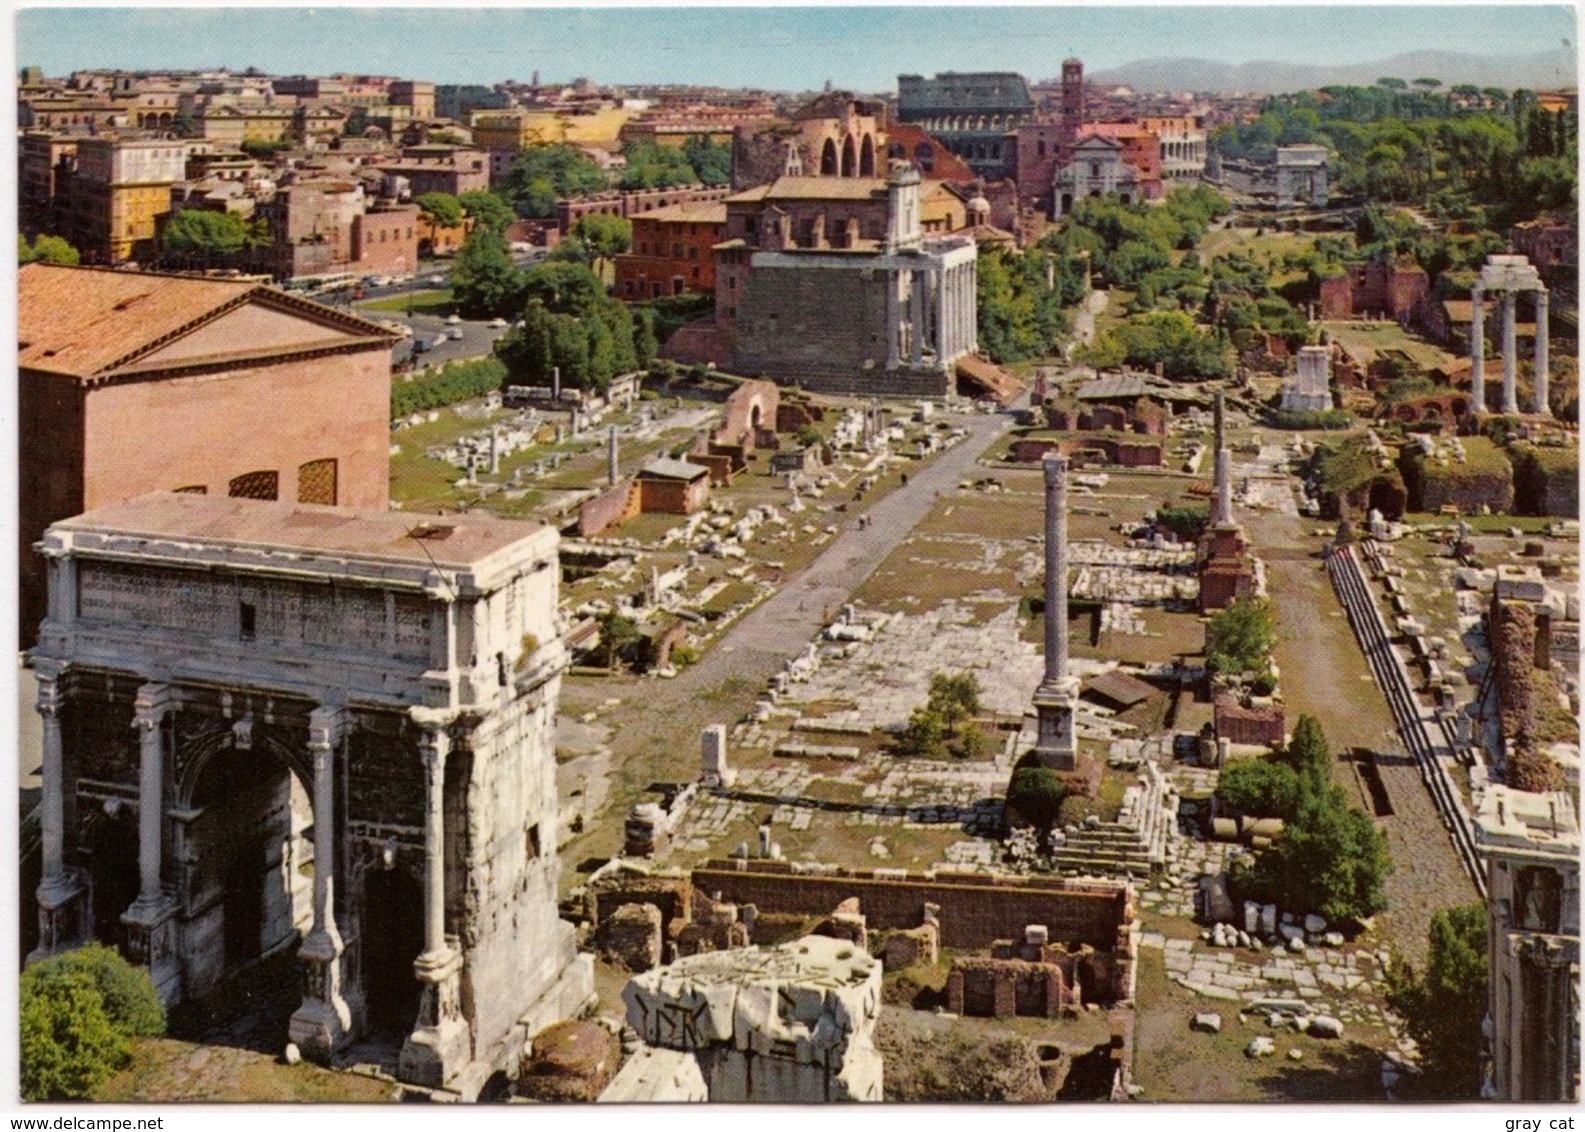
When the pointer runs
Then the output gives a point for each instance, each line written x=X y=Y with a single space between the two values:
x=925 y=734
x=1037 y=794
x=1298 y=419
x=1185 y=522
x=458 y=381
x=1443 y=1009
x=954 y=697
x=1260 y=788
x=79 y=1011
x=1240 y=637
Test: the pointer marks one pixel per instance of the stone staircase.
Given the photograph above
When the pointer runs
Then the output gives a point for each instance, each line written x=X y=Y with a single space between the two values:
x=1135 y=843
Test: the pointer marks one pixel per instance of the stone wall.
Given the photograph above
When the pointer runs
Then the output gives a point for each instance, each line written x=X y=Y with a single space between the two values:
x=812 y=323
x=1513 y=652
x=1469 y=488
x=615 y=504
x=1004 y=988
x=975 y=912
x=1546 y=481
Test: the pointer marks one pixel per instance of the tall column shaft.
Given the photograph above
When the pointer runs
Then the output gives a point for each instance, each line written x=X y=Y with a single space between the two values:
x=1224 y=488
x=892 y=319
x=1056 y=470
x=610 y=459
x=1220 y=435
x=1477 y=351
x=436 y=745
x=943 y=325
x=916 y=318
x=149 y=713
x=53 y=818
x=1542 y=362
x=324 y=732
x=1510 y=399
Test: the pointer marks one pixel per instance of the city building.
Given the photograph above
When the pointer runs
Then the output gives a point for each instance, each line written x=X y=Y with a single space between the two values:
x=673 y=251
x=1099 y=168
x=117 y=189
x=341 y=745
x=135 y=381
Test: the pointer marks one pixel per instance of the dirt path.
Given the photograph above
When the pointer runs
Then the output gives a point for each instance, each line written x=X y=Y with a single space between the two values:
x=657 y=738
x=1325 y=675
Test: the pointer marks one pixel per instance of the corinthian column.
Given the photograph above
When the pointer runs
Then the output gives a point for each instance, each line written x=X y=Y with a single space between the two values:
x=1477 y=352
x=1542 y=362
x=324 y=1020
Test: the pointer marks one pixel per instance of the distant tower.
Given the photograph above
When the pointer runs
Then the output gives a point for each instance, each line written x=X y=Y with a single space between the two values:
x=1072 y=99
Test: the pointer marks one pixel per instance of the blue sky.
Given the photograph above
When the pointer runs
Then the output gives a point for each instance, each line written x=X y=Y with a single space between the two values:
x=782 y=48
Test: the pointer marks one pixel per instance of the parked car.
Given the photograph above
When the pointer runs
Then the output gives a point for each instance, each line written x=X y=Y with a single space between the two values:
x=453 y=320
x=497 y=324
x=454 y=333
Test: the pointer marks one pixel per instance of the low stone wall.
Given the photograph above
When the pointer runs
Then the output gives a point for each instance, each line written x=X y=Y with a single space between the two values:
x=975 y=910
x=615 y=504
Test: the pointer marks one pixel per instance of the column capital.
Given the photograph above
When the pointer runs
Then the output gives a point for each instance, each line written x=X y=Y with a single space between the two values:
x=432 y=719
x=50 y=696
x=327 y=724
x=153 y=701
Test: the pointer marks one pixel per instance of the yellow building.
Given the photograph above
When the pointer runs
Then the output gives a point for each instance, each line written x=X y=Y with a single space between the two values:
x=121 y=185
x=514 y=130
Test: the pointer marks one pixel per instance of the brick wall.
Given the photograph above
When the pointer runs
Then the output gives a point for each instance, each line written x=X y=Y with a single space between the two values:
x=975 y=912
x=615 y=504
x=806 y=323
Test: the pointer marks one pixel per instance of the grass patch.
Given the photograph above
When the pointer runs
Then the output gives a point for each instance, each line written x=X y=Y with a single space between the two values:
x=439 y=301
x=164 y=1069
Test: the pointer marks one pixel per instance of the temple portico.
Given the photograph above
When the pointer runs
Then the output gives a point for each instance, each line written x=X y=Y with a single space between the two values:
x=1510 y=275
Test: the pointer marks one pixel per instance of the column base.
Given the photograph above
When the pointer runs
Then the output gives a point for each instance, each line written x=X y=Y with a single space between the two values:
x=151 y=943
x=65 y=914
x=324 y=1020
x=441 y=1045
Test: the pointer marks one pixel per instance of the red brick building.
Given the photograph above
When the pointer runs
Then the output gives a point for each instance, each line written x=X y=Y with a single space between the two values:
x=132 y=382
x=1376 y=289
x=672 y=251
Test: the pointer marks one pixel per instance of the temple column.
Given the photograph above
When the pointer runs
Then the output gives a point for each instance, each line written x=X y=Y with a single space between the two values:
x=943 y=324
x=1477 y=352
x=894 y=280
x=149 y=923
x=438 y=1045
x=1510 y=399
x=916 y=319
x=62 y=896
x=1542 y=362
x=324 y=1020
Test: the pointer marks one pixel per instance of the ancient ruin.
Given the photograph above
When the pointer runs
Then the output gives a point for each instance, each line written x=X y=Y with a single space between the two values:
x=792 y=1024
x=348 y=696
x=1512 y=275
x=1057 y=696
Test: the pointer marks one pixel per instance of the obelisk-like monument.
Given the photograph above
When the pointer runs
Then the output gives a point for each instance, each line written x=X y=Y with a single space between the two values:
x=1222 y=508
x=1058 y=693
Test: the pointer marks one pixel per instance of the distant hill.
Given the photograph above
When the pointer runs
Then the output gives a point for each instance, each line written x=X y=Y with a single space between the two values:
x=1550 y=69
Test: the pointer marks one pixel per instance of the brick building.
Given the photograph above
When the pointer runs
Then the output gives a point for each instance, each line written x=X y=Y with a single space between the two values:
x=834 y=135
x=1378 y=288
x=672 y=251
x=440 y=169
x=134 y=381
x=976 y=114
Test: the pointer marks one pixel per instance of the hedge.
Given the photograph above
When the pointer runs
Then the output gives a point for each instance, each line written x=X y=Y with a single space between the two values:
x=453 y=382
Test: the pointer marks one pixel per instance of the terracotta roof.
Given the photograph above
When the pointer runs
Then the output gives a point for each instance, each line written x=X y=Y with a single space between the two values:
x=452 y=540
x=697 y=212
x=947 y=166
x=818 y=188
x=90 y=321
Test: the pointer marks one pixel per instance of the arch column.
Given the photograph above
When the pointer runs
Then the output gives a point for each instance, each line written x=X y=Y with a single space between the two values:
x=149 y=921
x=62 y=897
x=324 y=1020
x=439 y=1043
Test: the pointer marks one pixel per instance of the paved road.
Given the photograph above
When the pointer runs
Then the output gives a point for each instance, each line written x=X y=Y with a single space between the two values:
x=658 y=738
x=782 y=625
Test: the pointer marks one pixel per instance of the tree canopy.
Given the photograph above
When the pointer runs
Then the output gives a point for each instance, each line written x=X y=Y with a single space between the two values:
x=1240 y=637
x=1037 y=794
x=487 y=209
x=603 y=235
x=79 y=1011
x=1443 y=1009
x=442 y=209
x=484 y=280
x=542 y=174
x=197 y=237
x=571 y=324
x=46 y=249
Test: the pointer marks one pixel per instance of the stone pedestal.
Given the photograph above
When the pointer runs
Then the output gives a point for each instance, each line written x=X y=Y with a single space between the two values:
x=151 y=943
x=439 y=1046
x=324 y=1020
x=64 y=915
x=1056 y=700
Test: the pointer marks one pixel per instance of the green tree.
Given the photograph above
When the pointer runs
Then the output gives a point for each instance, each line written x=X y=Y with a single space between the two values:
x=542 y=174
x=711 y=162
x=1240 y=637
x=926 y=733
x=1037 y=794
x=618 y=634
x=46 y=249
x=484 y=280
x=487 y=209
x=441 y=209
x=1260 y=788
x=1309 y=754
x=604 y=235
x=79 y=1011
x=650 y=165
x=200 y=238
x=955 y=697
x=1443 y=1009
x=1333 y=858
